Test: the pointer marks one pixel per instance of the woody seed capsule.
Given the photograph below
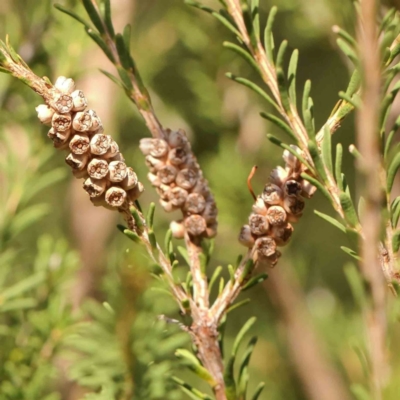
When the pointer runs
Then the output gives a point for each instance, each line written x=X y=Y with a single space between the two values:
x=245 y=236
x=79 y=144
x=195 y=225
x=100 y=144
x=77 y=161
x=82 y=121
x=45 y=113
x=154 y=179
x=279 y=176
x=177 y=156
x=159 y=148
x=273 y=260
x=134 y=193
x=154 y=164
x=177 y=196
x=272 y=194
x=58 y=137
x=177 y=229
x=97 y=168
x=112 y=151
x=276 y=215
x=177 y=139
x=282 y=234
x=290 y=159
x=61 y=123
x=259 y=206
x=308 y=189
x=292 y=188
x=94 y=187
x=186 y=178
x=266 y=246
x=167 y=206
x=131 y=179
x=63 y=103
x=258 y=224
x=115 y=196
x=195 y=203
x=210 y=212
x=167 y=174
x=293 y=205
x=78 y=100
x=163 y=191
x=211 y=231
x=65 y=85
x=95 y=121
x=117 y=171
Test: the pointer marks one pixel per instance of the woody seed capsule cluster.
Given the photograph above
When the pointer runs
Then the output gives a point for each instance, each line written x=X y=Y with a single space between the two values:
x=280 y=204
x=93 y=155
x=179 y=181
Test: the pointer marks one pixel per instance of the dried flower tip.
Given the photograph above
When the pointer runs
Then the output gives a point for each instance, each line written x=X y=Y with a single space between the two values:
x=167 y=206
x=95 y=121
x=100 y=144
x=259 y=206
x=154 y=164
x=77 y=161
x=82 y=121
x=154 y=147
x=115 y=196
x=117 y=171
x=177 y=139
x=95 y=187
x=292 y=188
x=290 y=159
x=211 y=231
x=308 y=189
x=293 y=205
x=210 y=212
x=177 y=229
x=276 y=215
x=282 y=234
x=186 y=178
x=278 y=176
x=65 y=85
x=177 y=156
x=167 y=174
x=258 y=224
x=131 y=179
x=62 y=103
x=97 y=168
x=195 y=225
x=272 y=194
x=195 y=203
x=79 y=144
x=135 y=192
x=61 y=123
x=266 y=246
x=44 y=113
x=113 y=151
x=245 y=236
x=177 y=196
x=78 y=100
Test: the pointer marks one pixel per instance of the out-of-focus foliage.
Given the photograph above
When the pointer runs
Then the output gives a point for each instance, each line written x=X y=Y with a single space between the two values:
x=115 y=344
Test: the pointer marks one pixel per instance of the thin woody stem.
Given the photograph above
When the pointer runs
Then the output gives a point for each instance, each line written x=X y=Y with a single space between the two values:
x=369 y=168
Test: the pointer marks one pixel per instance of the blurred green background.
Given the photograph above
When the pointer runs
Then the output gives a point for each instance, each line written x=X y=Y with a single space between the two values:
x=89 y=320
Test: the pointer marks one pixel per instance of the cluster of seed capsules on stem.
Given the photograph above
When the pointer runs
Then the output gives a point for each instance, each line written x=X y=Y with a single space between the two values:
x=280 y=204
x=179 y=181
x=93 y=155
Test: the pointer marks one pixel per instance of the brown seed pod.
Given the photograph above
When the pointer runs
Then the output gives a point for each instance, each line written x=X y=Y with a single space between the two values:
x=135 y=192
x=259 y=206
x=276 y=215
x=77 y=161
x=245 y=236
x=97 y=168
x=154 y=147
x=258 y=224
x=211 y=231
x=195 y=203
x=64 y=85
x=79 y=144
x=154 y=179
x=293 y=205
x=95 y=124
x=163 y=191
x=177 y=139
x=292 y=188
x=177 y=156
x=82 y=121
x=78 y=100
x=167 y=174
x=186 y=178
x=272 y=194
x=202 y=187
x=131 y=179
x=177 y=196
x=100 y=144
x=210 y=212
x=113 y=151
x=61 y=123
x=45 y=114
x=282 y=234
x=290 y=159
x=115 y=196
x=167 y=206
x=62 y=103
x=117 y=171
x=266 y=246
x=273 y=260
x=95 y=187
x=278 y=176
x=59 y=138
x=177 y=229
x=195 y=225
x=154 y=164
x=308 y=189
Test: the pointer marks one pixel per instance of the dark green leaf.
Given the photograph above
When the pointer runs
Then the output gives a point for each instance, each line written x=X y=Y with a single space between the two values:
x=280 y=124
x=94 y=15
x=268 y=36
